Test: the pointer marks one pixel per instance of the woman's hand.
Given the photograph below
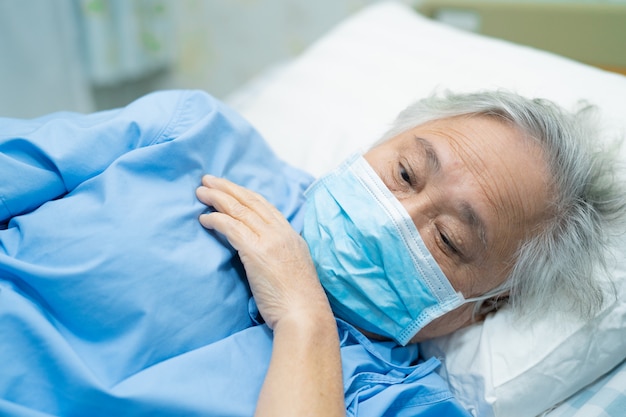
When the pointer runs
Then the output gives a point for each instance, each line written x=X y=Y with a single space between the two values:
x=276 y=259
x=304 y=376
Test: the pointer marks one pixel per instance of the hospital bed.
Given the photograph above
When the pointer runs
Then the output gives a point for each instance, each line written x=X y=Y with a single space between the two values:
x=343 y=92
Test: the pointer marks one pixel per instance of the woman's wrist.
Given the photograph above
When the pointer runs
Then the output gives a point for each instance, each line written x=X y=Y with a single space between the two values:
x=315 y=321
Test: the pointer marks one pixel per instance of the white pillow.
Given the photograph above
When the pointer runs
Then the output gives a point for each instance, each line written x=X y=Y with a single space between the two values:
x=344 y=92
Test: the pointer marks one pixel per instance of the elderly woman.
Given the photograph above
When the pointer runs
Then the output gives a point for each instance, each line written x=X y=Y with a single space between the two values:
x=116 y=302
x=467 y=199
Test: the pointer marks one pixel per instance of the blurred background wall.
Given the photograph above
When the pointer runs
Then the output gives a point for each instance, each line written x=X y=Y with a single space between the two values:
x=86 y=55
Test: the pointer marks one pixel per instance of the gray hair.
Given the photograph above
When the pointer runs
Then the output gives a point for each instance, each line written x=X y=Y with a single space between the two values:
x=558 y=265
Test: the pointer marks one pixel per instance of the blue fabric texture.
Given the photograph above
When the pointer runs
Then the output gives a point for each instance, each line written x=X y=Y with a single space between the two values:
x=115 y=301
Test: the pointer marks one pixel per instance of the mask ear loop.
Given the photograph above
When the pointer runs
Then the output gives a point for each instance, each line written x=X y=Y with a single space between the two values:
x=491 y=305
x=489 y=302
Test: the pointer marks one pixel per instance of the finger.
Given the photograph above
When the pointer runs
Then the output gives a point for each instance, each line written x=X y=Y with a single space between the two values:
x=226 y=204
x=245 y=197
x=201 y=194
x=237 y=233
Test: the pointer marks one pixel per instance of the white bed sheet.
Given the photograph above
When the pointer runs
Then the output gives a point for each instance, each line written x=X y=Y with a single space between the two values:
x=604 y=398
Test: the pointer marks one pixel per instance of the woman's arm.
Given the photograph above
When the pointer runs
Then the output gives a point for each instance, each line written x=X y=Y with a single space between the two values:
x=304 y=376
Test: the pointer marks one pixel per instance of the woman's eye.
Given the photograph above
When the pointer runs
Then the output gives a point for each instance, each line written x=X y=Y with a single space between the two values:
x=446 y=241
x=405 y=175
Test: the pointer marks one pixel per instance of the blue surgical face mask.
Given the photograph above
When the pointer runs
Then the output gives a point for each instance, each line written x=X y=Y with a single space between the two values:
x=370 y=258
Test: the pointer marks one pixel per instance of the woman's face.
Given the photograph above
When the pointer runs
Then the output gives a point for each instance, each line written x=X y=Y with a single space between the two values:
x=475 y=188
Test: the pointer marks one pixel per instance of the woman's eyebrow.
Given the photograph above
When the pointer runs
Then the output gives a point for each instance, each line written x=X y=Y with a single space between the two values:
x=431 y=155
x=470 y=217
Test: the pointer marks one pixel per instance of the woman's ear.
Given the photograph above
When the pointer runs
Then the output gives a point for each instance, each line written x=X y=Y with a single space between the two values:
x=491 y=305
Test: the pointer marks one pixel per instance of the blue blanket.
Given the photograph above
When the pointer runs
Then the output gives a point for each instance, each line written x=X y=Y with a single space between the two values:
x=115 y=301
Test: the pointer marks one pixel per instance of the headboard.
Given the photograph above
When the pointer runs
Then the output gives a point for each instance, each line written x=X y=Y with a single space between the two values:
x=593 y=33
